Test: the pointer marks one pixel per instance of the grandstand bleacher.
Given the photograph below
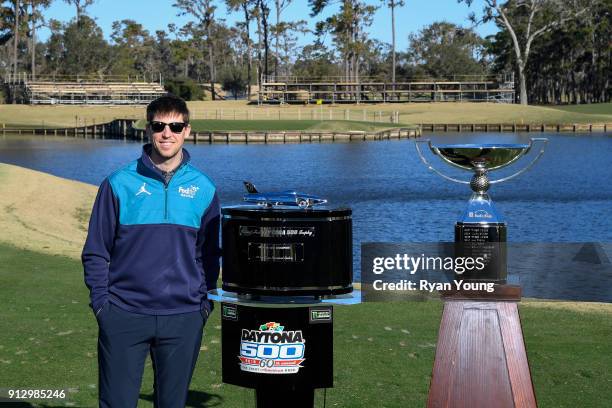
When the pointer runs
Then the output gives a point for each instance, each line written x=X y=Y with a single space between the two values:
x=91 y=93
x=468 y=88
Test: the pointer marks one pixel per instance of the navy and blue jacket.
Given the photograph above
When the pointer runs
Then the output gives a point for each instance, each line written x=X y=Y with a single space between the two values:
x=152 y=247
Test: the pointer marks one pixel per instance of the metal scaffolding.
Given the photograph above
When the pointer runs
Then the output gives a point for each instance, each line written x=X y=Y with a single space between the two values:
x=335 y=90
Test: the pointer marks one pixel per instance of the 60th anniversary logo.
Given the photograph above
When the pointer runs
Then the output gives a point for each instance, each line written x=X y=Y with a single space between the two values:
x=272 y=350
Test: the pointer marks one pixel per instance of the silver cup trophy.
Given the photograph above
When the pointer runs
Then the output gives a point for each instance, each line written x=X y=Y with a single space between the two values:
x=481 y=231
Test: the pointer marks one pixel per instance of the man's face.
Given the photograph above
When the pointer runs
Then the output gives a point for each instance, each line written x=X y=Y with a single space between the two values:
x=166 y=143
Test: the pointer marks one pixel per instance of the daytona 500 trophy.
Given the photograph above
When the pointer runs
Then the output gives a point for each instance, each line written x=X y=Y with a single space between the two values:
x=480 y=356
x=287 y=260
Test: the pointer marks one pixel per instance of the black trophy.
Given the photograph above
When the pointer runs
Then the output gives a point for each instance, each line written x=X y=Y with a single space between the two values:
x=287 y=259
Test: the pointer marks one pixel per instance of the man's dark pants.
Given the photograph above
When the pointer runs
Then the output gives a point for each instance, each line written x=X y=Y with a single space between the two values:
x=125 y=339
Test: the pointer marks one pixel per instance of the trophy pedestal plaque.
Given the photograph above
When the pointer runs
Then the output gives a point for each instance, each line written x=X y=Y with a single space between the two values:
x=481 y=360
x=284 y=366
x=470 y=232
x=483 y=240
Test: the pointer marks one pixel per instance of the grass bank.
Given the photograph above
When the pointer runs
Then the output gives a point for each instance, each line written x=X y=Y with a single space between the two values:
x=383 y=351
x=465 y=113
x=42 y=212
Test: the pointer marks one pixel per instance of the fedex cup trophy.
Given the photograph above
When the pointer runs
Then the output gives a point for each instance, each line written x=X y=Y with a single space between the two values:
x=480 y=332
x=481 y=230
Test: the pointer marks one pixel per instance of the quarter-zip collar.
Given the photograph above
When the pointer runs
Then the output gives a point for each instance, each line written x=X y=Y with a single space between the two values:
x=148 y=168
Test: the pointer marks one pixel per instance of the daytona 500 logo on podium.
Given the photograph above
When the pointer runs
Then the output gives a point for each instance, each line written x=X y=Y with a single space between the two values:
x=271 y=350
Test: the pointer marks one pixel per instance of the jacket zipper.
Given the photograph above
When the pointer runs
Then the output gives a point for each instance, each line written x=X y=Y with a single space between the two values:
x=165 y=201
x=166 y=184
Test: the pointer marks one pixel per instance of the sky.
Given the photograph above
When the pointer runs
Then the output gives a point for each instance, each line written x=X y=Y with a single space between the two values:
x=157 y=14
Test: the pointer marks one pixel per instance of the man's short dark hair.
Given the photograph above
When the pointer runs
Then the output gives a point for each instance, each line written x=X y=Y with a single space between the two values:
x=168 y=104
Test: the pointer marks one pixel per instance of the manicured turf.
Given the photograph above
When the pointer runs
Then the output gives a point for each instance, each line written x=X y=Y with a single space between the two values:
x=36 y=116
x=383 y=351
x=590 y=109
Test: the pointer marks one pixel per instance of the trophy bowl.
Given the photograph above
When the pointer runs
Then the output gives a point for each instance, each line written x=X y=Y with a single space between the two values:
x=480 y=159
x=492 y=156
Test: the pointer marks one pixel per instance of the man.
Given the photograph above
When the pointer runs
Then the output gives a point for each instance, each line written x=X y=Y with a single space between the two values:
x=151 y=254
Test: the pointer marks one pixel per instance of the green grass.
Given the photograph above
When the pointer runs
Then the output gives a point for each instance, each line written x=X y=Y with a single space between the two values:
x=200 y=125
x=590 y=109
x=569 y=357
x=37 y=116
x=68 y=116
x=383 y=351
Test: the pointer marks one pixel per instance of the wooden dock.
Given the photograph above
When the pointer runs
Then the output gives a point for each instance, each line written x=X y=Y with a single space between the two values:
x=280 y=137
x=515 y=127
x=124 y=129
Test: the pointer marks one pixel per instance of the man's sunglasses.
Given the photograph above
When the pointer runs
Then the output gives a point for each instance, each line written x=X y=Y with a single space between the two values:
x=175 y=127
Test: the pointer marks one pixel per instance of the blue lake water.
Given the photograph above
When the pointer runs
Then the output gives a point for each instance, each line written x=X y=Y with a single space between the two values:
x=566 y=197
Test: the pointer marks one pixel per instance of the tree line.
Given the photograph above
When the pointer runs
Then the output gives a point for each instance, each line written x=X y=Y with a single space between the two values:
x=560 y=50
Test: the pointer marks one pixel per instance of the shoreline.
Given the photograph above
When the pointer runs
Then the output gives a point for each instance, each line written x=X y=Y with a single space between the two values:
x=126 y=129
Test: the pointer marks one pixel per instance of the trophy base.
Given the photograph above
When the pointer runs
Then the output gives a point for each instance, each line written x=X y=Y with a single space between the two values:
x=488 y=242
x=481 y=361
